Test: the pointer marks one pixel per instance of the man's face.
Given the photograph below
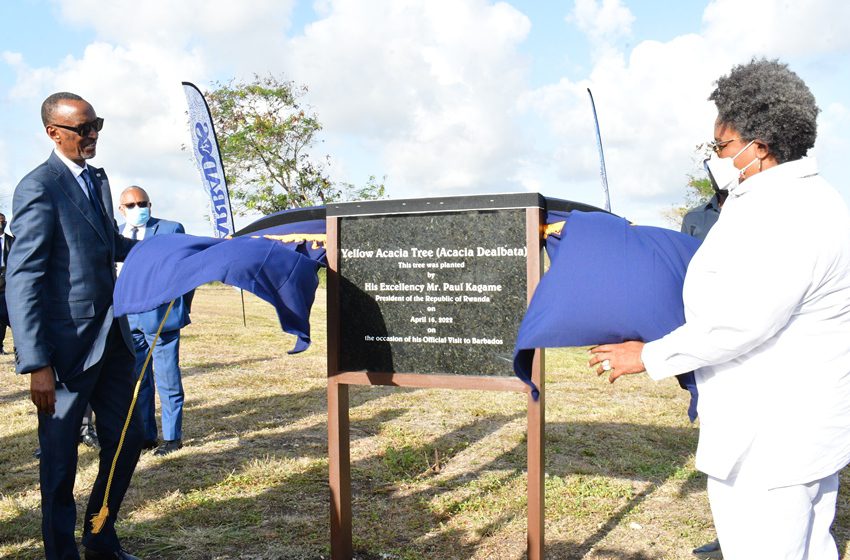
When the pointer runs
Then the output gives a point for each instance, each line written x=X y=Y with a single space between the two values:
x=130 y=199
x=2 y=223
x=69 y=143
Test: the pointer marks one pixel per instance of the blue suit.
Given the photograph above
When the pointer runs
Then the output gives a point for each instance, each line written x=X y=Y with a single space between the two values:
x=59 y=282
x=164 y=372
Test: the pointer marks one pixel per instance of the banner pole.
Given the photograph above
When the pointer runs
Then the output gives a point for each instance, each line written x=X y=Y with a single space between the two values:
x=603 y=173
x=242 y=295
x=209 y=159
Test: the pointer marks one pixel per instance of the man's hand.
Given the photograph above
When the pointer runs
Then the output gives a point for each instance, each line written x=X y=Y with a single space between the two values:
x=43 y=390
x=617 y=359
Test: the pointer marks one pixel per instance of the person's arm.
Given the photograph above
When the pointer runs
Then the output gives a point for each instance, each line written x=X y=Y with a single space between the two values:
x=28 y=261
x=748 y=292
x=758 y=282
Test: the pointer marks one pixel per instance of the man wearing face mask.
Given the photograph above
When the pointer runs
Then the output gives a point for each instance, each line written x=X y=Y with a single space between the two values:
x=766 y=326
x=164 y=371
x=5 y=244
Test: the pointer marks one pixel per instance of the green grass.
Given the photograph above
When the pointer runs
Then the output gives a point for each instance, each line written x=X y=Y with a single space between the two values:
x=436 y=474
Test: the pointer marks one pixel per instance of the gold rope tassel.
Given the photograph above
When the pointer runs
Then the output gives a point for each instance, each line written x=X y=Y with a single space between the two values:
x=554 y=228
x=99 y=520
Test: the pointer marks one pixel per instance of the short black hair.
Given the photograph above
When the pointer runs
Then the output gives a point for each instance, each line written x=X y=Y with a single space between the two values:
x=764 y=100
x=48 y=106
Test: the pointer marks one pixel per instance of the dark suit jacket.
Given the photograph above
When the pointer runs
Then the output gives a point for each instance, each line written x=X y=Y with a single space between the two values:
x=699 y=221
x=6 y=246
x=61 y=271
x=179 y=316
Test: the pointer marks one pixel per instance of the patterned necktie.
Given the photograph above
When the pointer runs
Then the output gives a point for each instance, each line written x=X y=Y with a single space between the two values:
x=134 y=233
x=93 y=197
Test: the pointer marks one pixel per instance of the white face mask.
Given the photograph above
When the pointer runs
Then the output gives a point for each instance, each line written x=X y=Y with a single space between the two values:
x=726 y=176
x=138 y=216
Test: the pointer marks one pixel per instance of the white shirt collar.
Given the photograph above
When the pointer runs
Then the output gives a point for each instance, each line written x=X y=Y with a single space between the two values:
x=75 y=169
x=799 y=168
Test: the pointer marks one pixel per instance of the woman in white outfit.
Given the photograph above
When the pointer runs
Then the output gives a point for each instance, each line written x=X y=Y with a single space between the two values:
x=767 y=308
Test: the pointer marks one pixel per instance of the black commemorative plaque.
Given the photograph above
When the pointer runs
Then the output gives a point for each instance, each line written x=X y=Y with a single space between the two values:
x=432 y=292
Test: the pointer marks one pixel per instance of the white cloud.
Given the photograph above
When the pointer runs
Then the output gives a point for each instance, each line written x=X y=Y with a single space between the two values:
x=778 y=27
x=228 y=31
x=434 y=81
x=432 y=92
x=650 y=122
x=833 y=145
x=137 y=91
x=603 y=22
x=6 y=182
x=652 y=100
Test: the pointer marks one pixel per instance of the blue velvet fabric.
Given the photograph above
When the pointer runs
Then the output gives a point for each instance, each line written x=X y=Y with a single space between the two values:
x=608 y=282
x=167 y=266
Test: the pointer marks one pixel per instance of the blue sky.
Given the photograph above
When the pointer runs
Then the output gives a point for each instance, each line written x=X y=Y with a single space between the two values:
x=441 y=96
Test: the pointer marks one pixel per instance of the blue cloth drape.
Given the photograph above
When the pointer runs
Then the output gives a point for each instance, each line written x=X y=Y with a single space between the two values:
x=608 y=282
x=165 y=267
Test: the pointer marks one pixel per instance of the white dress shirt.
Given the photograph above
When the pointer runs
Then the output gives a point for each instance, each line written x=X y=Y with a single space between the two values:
x=76 y=171
x=128 y=232
x=767 y=309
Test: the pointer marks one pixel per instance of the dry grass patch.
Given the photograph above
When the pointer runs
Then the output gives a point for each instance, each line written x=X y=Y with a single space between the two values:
x=436 y=474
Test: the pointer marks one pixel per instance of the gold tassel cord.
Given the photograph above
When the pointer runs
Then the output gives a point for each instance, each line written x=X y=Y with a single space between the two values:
x=99 y=520
x=553 y=228
x=318 y=239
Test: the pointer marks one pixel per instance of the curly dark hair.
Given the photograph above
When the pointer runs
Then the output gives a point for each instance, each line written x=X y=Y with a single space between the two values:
x=48 y=106
x=764 y=100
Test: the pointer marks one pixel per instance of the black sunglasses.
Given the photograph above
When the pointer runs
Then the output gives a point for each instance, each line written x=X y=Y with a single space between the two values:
x=140 y=204
x=85 y=128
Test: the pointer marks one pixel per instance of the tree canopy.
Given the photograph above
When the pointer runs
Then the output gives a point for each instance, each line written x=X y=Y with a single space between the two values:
x=268 y=138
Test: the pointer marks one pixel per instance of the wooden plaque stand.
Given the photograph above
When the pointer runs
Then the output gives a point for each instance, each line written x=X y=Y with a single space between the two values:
x=338 y=404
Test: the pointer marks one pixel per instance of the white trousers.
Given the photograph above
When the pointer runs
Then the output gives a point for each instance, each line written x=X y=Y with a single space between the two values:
x=789 y=523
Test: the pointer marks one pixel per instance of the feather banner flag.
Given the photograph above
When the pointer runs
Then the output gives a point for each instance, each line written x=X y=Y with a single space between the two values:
x=208 y=159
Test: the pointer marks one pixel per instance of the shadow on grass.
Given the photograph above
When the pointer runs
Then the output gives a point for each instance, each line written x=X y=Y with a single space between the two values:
x=289 y=519
x=15 y=396
x=206 y=367
x=393 y=513
x=18 y=465
x=558 y=552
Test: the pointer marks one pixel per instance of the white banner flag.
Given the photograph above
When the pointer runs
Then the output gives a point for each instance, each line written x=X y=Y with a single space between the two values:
x=208 y=159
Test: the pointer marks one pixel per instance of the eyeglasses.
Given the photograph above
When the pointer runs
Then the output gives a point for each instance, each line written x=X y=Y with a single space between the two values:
x=718 y=145
x=140 y=204
x=85 y=128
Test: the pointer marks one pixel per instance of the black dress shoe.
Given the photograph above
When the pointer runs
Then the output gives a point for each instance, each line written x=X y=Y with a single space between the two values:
x=37 y=453
x=168 y=446
x=114 y=555
x=150 y=444
x=89 y=437
x=709 y=551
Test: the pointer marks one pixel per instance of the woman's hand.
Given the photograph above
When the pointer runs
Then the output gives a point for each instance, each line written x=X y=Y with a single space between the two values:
x=617 y=359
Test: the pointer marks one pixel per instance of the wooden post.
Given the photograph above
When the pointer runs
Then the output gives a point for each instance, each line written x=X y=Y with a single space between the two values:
x=536 y=409
x=339 y=457
x=339 y=461
x=339 y=437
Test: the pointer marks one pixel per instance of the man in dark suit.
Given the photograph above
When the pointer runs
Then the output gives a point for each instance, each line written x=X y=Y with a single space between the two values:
x=5 y=244
x=59 y=287
x=164 y=372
